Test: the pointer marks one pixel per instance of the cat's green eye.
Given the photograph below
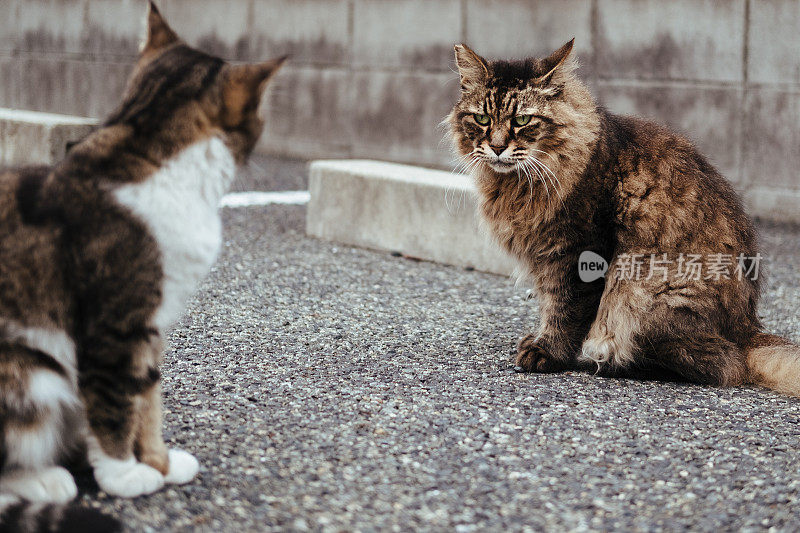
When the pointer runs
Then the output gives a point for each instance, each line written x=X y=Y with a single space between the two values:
x=522 y=120
x=483 y=120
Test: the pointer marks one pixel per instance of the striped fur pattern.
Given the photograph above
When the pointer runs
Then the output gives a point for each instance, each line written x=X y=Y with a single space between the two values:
x=97 y=258
x=24 y=516
x=559 y=175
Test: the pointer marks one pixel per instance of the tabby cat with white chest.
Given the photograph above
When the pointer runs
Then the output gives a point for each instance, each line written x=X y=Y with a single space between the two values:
x=559 y=177
x=98 y=256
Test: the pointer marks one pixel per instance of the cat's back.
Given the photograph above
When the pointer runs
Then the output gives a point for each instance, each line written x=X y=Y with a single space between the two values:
x=663 y=179
x=641 y=142
x=652 y=152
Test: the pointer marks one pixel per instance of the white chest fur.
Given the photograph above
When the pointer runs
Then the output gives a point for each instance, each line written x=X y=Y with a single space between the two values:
x=179 y=204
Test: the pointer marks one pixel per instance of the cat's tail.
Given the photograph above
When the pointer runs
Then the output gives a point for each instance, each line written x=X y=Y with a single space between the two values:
x=22 y=516
x=774 y=362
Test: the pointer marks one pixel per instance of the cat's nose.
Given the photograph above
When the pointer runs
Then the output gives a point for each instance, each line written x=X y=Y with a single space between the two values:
x=497 y=149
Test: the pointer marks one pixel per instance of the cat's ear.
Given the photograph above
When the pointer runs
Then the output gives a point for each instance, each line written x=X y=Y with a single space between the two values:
x=243 y=87
x=555 y=61
x=158 y=33
x=471 y=67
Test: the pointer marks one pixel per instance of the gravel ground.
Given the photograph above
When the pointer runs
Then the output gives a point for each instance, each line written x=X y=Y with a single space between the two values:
x=337 y=389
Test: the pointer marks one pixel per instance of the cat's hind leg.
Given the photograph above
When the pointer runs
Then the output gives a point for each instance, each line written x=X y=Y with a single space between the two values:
x=696 y=354
x=644 y=325
x=53 y=484
x=35 y=402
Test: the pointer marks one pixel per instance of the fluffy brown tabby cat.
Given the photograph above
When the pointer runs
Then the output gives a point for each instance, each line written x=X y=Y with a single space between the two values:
x=97 y=258
x=558 y=175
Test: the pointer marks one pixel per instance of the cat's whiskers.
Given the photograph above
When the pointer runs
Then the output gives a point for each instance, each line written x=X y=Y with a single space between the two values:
x=471 y=165
x=545 y=168
x=517 y=167
x=536 y=163
x=550 y=176
x=460 y=164
x=463 y=167
x=546 y=171
x=548 y=154
x=540 y=176
x=522 y=164
x=458 y=168
x=466 y=164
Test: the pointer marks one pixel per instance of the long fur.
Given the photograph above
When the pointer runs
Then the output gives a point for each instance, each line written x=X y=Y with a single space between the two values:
x=558 y=175
x=774 y=362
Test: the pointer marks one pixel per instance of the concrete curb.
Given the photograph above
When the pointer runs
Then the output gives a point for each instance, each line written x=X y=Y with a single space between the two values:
x=30 y=137
x=429 y=214
x=775 y=205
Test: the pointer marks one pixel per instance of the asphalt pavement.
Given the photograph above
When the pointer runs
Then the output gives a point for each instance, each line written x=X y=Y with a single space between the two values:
x=330 y=388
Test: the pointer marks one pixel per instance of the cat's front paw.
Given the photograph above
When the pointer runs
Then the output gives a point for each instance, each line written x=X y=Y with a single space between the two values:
x=533 y=357
x=128 y=478
x=182 y=467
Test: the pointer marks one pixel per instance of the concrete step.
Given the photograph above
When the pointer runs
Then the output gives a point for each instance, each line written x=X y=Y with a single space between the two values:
x=30 y=137
x=774 y=205
x=427 y=214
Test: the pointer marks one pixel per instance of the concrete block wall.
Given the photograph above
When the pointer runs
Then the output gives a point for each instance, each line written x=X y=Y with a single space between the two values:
x=31 y=138
x=373 y=78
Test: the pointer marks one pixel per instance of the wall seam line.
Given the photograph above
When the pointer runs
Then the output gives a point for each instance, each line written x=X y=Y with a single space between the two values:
x=744 y=179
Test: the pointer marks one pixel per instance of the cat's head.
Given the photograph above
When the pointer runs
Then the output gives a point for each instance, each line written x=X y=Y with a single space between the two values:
x=512 y=111
x=177 y=95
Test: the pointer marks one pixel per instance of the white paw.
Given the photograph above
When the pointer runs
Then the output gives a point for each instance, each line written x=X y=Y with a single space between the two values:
x=127 y=478
x=182 y=467
x=599 y=350
x=51 y=485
